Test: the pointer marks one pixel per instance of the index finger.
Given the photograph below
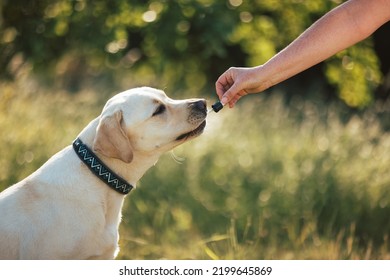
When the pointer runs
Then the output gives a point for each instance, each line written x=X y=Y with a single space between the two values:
x=223 y=84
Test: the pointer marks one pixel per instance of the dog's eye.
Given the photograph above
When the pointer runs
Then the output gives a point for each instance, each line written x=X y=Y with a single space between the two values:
x=160 y=109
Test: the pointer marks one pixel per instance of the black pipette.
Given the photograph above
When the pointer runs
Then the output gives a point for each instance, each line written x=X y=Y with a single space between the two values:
x=216 y=107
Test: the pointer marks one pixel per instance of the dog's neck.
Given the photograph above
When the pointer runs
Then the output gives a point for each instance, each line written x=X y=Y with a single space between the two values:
x=131 y=172
x=97 y=167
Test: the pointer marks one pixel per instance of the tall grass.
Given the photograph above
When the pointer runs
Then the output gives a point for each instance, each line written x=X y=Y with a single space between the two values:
x=265 y=180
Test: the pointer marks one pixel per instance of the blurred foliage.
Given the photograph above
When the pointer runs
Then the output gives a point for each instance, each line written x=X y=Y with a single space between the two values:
x=306 y=180
x=264 y=181
x=177 y=44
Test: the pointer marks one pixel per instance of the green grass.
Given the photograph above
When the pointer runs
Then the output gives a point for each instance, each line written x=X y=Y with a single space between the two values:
x=265 y=180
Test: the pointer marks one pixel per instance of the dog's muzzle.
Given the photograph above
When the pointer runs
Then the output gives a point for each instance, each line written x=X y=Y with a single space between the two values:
x=198 y=114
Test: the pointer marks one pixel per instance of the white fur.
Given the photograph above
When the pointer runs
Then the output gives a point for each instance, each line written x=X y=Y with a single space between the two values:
x=62 y=210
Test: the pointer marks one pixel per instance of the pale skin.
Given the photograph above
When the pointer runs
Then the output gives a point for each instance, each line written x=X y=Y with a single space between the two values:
x=337 y=30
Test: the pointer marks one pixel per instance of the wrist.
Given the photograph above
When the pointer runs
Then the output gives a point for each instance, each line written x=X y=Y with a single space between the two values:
x=261 y=78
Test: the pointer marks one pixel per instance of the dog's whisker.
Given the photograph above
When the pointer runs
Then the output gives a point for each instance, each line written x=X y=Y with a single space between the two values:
x=176 y=158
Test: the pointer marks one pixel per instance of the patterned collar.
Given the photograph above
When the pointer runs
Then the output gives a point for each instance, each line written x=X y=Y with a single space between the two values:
x=100 y=169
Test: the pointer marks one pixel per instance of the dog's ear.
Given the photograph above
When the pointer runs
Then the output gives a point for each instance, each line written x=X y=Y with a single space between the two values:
x=111 y=140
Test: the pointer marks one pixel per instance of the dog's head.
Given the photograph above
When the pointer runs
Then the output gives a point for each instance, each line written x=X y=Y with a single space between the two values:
x=146 y=120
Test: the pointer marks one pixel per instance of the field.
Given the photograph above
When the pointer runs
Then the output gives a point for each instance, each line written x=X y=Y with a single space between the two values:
x=266 y=180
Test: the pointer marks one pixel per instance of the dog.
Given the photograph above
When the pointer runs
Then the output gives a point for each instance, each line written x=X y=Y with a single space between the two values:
x=70 y=208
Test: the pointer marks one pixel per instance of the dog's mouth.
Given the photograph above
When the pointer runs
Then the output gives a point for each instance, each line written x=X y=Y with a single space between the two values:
x=194 y=133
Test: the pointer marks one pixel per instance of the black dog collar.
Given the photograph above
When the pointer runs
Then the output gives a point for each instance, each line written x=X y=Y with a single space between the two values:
x=100 y=169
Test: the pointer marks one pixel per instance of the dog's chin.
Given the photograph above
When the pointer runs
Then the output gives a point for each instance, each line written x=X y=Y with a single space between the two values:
x=193 y=133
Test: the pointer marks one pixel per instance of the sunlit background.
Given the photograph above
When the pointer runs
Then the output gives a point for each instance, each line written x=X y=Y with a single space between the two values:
x=298 y=172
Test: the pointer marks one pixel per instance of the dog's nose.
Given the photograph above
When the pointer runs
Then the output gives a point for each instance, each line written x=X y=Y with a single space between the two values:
x=200 y=105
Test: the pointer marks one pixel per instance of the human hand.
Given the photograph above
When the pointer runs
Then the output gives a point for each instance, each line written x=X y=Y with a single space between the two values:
x=237 y=82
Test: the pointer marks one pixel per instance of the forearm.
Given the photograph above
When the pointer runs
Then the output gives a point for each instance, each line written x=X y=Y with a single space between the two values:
x=342 y=27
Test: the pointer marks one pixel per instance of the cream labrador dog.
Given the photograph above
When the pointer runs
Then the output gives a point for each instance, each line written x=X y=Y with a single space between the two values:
x=70 y=208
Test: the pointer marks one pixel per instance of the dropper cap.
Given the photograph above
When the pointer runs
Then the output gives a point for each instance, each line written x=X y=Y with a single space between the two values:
x=217 y=106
